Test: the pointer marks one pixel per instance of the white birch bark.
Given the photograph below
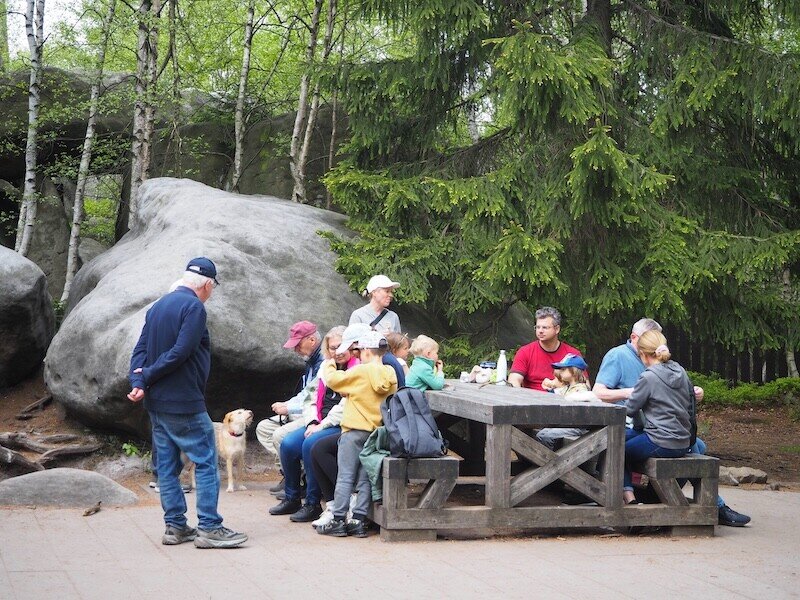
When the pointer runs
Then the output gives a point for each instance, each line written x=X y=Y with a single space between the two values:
x=240 y=98
x=86 y=156
x=138 y=153
x=152 y=78
x=34 y=20
x=299 y=193
x=791 y=363
x=312 y=115
x=176 y=140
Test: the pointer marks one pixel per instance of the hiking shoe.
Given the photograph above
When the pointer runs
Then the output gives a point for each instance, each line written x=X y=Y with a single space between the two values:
x=356 y=528
x=336 y=527
x=278 y=487
x=731 y=518
x=286 y=507
x=325 y=518
x=282 y=494
x=175 y=535
x=222 y=537
x=309 y=512
x=640 y=480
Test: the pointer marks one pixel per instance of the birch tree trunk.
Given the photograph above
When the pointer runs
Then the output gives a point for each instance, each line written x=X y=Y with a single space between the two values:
x=791 y=363
x=34 y=22
x=152 y=78
x=335 y=112
x=175 y=135
x=138 y=154
x=240 y=98
x=312 y=115
x=86 y=156
x=299 y=193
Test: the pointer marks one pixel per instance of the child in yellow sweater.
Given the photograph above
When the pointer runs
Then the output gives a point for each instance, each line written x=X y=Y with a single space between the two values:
x=366 y=386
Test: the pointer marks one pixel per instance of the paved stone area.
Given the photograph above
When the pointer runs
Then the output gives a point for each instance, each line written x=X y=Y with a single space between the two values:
x=117 y=554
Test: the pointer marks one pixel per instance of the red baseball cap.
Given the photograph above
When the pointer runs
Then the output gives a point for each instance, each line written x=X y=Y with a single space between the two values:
x=299 y=330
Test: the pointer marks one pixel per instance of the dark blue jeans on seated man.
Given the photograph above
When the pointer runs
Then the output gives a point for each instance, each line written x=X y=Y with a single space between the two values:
x=194 y=435
x=294 y=448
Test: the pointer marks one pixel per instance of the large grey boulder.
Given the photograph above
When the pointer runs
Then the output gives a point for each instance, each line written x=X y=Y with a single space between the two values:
x=274 y=270
x=64 y=488
x=27 y=320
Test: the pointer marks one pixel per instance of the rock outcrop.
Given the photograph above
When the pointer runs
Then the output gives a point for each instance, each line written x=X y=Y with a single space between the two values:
x=27 y=320
x=64 y=488
x=274 y=270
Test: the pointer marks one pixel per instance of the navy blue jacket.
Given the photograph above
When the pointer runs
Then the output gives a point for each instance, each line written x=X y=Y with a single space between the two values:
x=174 y=352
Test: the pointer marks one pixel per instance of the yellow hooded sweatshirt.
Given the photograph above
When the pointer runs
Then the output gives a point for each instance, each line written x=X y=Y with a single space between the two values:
x=365 y=386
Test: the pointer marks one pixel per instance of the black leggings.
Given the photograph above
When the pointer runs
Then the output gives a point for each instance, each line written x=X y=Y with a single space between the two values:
x=323 y=461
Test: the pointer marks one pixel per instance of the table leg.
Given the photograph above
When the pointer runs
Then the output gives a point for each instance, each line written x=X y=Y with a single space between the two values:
x=614 y=465
x=498 y=466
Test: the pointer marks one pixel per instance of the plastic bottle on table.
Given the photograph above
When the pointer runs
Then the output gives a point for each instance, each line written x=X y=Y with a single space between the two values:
x=502 y=368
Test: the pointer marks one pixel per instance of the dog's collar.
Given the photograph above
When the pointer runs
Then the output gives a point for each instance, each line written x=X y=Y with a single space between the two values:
x=235 y=434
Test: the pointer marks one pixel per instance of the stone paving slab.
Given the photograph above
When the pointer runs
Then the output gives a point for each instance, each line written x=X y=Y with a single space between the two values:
x=117 y=554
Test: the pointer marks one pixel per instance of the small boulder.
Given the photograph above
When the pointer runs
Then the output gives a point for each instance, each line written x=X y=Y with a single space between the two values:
x=27 y=320
x=64 y=488
x=748 y=475
x=726 y=478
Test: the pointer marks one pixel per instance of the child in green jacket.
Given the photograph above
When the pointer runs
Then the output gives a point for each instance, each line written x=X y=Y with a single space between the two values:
x=426 y=372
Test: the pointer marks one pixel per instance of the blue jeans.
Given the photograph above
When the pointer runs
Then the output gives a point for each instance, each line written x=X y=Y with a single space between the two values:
x=194 y=435
x=639 y=447
x=294 y=448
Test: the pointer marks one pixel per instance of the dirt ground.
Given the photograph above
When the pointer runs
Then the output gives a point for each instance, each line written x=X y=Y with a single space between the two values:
x=765 y=439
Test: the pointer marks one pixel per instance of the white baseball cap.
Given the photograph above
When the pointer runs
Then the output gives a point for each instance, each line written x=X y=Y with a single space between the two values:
x=372 y=340
x=351 y=335
x=380 y=281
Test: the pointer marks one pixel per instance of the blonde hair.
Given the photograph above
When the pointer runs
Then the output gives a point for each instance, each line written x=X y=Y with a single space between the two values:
x=397 y=341
x=421 y=344
x=577 y=374
x=334 y=332
x=653 y=343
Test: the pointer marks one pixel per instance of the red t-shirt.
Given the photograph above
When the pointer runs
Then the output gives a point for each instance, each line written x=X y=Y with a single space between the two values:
x=533 y=363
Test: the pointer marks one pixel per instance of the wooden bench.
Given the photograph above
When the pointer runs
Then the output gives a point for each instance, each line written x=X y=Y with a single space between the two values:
x=441 y=475
x=703 y=473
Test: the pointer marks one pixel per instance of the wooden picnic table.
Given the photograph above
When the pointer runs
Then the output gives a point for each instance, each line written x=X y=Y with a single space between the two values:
x=509 y=413
x=510 y=416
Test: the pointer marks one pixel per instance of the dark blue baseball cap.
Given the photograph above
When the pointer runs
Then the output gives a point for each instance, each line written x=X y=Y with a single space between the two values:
x=203 y=266
x=571 y=360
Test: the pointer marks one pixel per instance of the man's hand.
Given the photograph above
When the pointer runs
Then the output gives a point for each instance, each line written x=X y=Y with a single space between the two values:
x=279 y=408
x=699 y=393
x=311 y=429
x=136 y=395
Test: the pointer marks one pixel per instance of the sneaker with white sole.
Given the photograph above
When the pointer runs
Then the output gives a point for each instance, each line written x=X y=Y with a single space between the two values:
x=175 y=535
x=222 y=537
x=325 y=518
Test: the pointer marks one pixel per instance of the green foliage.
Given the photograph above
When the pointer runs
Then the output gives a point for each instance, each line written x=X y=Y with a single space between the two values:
x=780 y=392
x=131 y=449
x=653 y=173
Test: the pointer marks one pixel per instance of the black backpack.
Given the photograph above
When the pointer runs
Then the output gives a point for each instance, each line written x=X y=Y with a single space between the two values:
x=410 y=426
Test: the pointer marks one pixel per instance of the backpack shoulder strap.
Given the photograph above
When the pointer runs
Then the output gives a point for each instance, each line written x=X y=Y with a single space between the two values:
x=380 y=316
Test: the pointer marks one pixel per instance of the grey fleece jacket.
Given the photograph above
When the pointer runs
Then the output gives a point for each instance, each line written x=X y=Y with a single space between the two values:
x=662 y=394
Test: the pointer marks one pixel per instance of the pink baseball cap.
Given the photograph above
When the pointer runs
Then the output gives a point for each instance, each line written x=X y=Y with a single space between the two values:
x=299 y=330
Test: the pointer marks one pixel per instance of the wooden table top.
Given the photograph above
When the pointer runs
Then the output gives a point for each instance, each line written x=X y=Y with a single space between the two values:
x=507 y=405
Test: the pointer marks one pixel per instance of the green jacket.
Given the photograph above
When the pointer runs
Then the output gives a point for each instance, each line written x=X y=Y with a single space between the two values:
x=376 y=448
x=422 y=375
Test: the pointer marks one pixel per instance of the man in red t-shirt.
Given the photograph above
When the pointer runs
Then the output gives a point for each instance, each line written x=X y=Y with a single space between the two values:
x=532 y=363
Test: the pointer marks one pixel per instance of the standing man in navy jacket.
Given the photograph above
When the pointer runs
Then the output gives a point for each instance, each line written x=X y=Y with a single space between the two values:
x=169 y=369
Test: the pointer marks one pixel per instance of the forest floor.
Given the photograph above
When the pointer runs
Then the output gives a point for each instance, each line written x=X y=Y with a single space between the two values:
x=762 y=438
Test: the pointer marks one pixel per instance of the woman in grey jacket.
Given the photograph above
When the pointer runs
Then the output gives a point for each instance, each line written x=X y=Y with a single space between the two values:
x=664 y=394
